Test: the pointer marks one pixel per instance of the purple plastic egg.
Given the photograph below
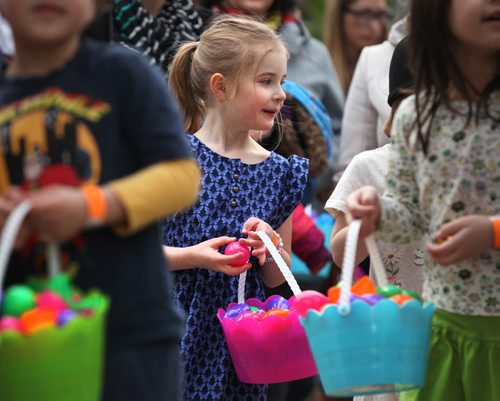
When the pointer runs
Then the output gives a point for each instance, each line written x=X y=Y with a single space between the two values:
x=355 y=297
x=372 y=299
x=64 y=316
x=234 y=311
x=278 y=302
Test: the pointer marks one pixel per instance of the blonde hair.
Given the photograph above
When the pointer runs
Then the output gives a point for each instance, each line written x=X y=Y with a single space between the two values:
x=230 y=46
x=334 y=39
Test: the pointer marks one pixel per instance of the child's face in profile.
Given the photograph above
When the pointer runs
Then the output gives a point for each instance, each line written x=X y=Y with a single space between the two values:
x=47 y=22
x=259 y=96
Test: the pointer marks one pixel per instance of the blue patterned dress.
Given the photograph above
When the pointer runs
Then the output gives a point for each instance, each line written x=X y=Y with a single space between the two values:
x=232 y=192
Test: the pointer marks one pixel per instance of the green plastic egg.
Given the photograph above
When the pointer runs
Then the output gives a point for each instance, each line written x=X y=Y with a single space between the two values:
x=18 y=299
x=389 y=290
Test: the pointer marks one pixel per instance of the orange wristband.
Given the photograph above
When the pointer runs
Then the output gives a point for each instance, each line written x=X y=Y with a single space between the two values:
x=96 y=204
x=495 y=222
x=275 y=239
x=278 y=243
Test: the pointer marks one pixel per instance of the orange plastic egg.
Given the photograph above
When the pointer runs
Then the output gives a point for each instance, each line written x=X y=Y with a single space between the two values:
x=400 y=299
x=37 y=319
x=334 y=294
x=363 y=286
x=250 y=315
x=281 y=312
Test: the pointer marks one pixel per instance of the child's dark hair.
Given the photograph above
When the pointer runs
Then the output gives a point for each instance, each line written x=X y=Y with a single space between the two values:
x=401 y=83
x=103 y=5
x=400 y=77
x=436 y=69
x=284 y=7
x=229 y=46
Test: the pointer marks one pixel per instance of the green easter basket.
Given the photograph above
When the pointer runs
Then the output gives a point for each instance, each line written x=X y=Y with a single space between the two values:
x=54 y=364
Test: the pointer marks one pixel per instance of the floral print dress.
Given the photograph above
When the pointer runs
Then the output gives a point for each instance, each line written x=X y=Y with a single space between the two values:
x=459 y=176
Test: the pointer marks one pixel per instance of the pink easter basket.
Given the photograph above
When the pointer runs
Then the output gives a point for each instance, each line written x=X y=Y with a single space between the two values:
x=271 y=350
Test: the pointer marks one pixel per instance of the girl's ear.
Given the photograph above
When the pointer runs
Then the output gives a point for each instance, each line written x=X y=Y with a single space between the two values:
x=218 y=86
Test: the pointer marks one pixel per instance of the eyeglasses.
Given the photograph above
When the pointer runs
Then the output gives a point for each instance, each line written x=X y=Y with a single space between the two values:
x=368 y=16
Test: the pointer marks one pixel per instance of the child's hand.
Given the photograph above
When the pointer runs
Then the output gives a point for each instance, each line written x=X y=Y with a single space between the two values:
x=363 y=204
x=58 y=214
x=253 y=240
x=207 y=255
x=462 y=239
x=8 y=202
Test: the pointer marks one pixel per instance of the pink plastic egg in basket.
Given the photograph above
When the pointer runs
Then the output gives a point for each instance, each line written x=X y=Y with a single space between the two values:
x=272 y=349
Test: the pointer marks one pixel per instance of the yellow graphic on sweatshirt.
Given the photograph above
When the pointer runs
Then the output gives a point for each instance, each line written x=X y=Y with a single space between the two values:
x=45 y=139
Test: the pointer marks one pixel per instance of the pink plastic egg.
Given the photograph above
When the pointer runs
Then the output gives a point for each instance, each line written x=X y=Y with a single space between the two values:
x=9 y=323
x=308 y=300
x=50 y=300
x=236 y=247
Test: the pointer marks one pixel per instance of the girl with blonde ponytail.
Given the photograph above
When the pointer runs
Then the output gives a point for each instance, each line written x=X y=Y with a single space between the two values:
x=228 y=85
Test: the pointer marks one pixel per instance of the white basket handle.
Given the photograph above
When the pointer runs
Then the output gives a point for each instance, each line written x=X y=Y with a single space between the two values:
x=376 y=261
x=290 y=279
x=11 y=228
x=349 y=262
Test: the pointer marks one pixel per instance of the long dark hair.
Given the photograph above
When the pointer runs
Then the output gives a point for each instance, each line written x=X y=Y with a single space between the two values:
x=435 y=67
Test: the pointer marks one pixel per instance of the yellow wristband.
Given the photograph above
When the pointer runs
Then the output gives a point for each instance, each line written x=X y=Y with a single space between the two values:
x=495 y=222
x=96 y=204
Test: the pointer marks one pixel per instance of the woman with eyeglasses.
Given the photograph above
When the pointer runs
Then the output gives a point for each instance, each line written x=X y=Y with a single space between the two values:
x=366 y=109
x=351 y=25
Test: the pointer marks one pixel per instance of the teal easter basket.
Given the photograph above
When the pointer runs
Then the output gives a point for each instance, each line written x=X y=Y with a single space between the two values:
x=363 y=349
x=57 y=363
